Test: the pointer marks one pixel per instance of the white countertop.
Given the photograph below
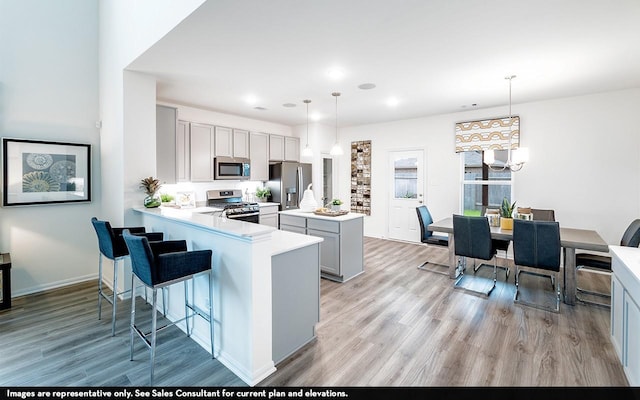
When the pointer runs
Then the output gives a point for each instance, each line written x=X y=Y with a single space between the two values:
x=214 y=222
x=629 y=272
x=346 y=217
x=283 y=241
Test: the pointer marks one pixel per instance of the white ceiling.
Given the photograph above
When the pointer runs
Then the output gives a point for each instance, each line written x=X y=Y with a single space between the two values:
x=434 y=56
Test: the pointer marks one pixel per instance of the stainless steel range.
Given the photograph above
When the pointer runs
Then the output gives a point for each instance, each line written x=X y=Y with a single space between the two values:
x=234 y=208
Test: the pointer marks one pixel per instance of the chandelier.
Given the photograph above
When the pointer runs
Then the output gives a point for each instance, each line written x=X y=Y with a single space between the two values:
x=516 y=158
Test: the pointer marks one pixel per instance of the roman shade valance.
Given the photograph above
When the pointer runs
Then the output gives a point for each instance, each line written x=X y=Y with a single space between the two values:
x=489 y=134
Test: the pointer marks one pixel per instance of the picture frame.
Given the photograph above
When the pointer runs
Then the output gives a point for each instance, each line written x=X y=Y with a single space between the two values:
x=41 y=172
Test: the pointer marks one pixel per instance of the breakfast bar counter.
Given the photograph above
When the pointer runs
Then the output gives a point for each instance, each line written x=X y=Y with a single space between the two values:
x=266 y=287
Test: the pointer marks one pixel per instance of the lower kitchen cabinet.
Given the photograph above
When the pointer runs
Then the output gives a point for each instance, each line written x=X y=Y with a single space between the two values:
x=625 y=312
x=341 y=251
x=269 y=215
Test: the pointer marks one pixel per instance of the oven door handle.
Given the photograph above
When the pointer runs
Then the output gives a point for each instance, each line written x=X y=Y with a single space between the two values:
x=243 y=215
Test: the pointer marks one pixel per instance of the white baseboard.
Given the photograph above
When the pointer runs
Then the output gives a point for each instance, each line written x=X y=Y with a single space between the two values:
x=54 y=285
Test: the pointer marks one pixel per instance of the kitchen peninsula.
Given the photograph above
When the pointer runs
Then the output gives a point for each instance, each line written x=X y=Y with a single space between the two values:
x=266 y=287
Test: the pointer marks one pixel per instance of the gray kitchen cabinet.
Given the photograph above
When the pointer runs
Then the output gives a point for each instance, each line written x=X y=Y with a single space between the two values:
x=293 y=223
x=276 y=147
x=240 y=143
x=291 y=148
x=329 y=251
x=342 y=251
x=166 y=125
x=295 y=288
x=183 y=151
x=223 y=145
x=259 y=156
x=269 y=215
x=202 y=151
x=231 y=142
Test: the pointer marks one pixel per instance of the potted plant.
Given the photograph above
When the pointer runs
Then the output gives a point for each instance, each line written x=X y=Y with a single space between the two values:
x=335 y=204
x=506 y=214
x=262 y=193
x=151 y=187
x=166 y=198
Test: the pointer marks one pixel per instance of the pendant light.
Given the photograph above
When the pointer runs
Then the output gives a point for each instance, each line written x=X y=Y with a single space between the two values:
x=307 y=152
x=516 y=157
x=336 y=150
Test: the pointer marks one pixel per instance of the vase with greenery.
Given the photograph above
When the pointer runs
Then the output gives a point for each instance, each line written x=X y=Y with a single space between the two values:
x=335 y=204
x=506 y=214
x=151 y=187
x=262 y=193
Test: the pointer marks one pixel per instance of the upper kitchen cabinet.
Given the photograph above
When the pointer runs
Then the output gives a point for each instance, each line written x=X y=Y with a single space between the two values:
x=202 y=152
x=231 y=142
x=183 y=151
x=240 y=143
x=291 y=148
x=223 y=142
x=166 y=125
x=284 y=148
x=276 y=148
x=259 y=155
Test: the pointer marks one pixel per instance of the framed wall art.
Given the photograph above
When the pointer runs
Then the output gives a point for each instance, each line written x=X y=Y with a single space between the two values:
x=361 y=177
x=40 y=172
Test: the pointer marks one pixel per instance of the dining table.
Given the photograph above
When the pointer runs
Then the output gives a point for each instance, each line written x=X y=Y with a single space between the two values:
x=571 y=239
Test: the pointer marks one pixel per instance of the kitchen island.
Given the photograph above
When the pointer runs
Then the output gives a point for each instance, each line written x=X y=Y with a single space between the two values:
x=266 y=288
x=342 y=249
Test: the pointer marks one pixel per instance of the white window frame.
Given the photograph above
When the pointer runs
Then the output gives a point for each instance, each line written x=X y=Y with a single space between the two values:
x=464 y=182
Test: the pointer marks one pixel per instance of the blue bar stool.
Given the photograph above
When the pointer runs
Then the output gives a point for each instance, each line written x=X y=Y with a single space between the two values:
x=113 y=247
x=158 y=265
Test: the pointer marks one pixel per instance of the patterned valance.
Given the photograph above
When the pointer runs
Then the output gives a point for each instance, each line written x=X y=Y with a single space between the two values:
x=489 y=134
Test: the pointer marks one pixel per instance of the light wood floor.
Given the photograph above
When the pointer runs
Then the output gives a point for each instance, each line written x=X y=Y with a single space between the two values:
x=394 y=325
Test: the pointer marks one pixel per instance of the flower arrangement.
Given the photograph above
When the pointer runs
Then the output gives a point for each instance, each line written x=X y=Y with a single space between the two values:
x=336 y=202
x=151 y=186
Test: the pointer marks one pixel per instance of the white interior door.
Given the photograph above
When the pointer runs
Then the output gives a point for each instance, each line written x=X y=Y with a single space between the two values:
x=406 y=190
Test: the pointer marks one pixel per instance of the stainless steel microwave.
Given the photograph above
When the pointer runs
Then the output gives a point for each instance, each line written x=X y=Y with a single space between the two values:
x=231 y=168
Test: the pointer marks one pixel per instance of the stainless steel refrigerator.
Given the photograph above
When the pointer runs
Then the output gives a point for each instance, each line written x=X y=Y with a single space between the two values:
x=287 y=183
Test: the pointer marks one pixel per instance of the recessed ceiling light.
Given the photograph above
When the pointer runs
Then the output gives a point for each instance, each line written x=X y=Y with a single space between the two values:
x=259 y=108
x=288 y=105
x=335 y=73
x=392 y=101
x=315 y=116
x=367 y=86
x=251 y=99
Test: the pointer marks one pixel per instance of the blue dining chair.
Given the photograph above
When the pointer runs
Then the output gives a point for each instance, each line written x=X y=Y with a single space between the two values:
x=427 y=237
x=472 y=239
x=536 y=250
x=158 y=265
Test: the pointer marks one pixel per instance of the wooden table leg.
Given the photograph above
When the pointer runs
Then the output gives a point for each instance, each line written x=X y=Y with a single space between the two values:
x=570 y=276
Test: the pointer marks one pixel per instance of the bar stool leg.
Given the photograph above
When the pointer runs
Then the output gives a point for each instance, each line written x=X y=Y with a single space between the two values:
x=133 y=316
x=99 y=286
x=211 y=310
x=186 y=307
x=115 y=297
x=153 y=333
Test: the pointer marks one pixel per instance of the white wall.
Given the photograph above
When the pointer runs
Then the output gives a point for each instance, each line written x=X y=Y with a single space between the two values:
x=584 y=161
x=127 y=29
x=49 y=91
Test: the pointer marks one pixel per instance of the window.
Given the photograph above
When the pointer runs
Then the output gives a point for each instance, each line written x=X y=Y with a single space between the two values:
x=405 y=176
x=482 y=187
